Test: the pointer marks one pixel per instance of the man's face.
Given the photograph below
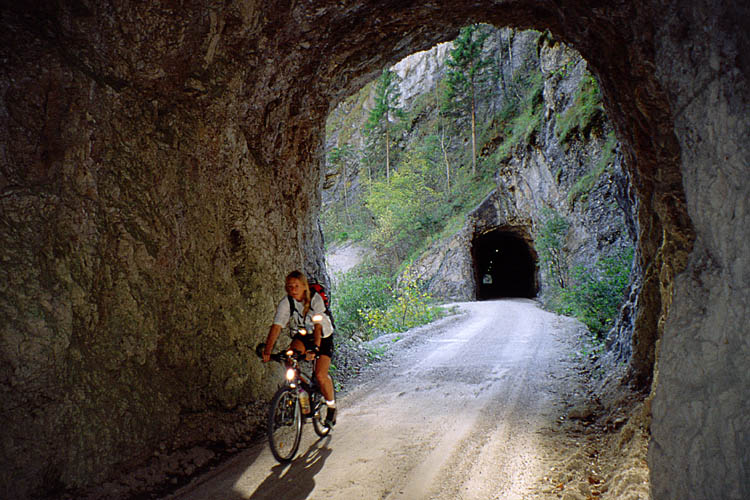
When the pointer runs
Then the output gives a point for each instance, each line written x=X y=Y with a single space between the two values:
x=295 y=289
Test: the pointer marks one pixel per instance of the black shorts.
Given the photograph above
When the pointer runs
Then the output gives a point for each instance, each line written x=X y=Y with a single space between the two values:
x=326 y=344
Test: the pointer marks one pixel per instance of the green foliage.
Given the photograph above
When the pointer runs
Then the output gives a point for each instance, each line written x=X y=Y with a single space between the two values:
x=433 y=184
x=378 y=126
x=521 y=117
x=374 y=353
x=354 y=296
x=387 y=93
x=595 y=295
x=549 y=241
x=564 y=70
x=437 y=183
x=587 y=110
x=406 y=208
x=411 y=307
x=465 y=64
x=365 y=305
x=344 y=120
x=337 y=227
x=341 y=155
x=587 y=181
x=528 y=109
x=608 y=151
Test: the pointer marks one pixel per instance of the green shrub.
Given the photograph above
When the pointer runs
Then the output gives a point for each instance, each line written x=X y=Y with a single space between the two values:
x=583 y=114
x=357 y=293
x=521 y=118
x=411 y=307
x=595 y=295
x=549 y=241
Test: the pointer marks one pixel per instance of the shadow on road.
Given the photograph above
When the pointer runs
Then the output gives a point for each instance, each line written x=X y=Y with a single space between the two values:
x=294 y=481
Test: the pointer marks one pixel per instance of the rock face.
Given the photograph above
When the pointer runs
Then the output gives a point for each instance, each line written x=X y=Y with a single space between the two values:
x=420 y=72
x=546 y=173
x=542 y=174
x=160 y=173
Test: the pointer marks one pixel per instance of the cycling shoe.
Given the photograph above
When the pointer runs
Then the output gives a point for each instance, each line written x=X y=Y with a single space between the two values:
x=330 y=417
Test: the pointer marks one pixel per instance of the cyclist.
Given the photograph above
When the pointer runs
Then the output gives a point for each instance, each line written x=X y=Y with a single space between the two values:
x=311 y=331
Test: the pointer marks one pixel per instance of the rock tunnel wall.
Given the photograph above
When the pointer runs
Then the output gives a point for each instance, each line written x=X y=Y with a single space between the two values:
x=144 y=241
x=160 y=174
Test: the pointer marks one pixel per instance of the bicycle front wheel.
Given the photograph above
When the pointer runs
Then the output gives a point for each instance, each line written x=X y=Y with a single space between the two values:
x=284 y=424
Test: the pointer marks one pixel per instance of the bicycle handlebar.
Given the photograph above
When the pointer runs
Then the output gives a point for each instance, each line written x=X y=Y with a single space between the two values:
x=280 y=357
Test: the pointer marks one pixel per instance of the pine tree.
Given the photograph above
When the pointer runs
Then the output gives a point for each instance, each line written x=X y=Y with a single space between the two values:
x=386 y=108
x=466 y=64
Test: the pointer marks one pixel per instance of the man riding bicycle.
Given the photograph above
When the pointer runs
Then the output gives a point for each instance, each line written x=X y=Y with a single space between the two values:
x=304 y=313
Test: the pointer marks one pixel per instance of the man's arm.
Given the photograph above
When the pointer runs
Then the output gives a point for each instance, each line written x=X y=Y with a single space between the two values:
x=273 y=334
x=318 y=334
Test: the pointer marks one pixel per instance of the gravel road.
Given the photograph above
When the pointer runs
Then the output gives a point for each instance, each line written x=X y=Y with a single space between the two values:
x=462 y=409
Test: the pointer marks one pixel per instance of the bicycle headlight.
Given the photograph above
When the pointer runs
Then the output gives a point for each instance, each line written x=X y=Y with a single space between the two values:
x=290 y=374
x=302 y=331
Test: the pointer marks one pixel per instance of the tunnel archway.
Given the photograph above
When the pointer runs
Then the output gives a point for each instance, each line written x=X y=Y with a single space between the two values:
x=504 y=265
x=212 y=98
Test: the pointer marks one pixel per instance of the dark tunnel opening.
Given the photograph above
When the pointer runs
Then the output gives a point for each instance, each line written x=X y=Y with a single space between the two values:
x=504 y=265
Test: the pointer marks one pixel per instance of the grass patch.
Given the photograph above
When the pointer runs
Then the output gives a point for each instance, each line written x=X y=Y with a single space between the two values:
x=586 y=111
x=587 y=181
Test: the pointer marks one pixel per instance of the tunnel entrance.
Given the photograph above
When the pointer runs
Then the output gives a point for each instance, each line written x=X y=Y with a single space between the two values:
x=504 y=265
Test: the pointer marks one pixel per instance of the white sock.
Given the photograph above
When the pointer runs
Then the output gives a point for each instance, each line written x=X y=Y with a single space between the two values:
x=331 y=404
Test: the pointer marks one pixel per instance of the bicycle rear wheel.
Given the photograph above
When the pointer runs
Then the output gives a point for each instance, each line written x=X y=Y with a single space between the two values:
x=319 y=409
x=284 y=424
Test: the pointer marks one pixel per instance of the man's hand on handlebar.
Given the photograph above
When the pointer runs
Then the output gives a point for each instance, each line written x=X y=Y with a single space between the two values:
x=263 y=352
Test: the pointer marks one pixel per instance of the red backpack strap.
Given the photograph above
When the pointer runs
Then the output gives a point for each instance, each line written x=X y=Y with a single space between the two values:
x=317 y=288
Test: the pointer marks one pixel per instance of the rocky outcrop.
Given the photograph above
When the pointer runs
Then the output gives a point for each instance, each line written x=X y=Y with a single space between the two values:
x=420 y=72
x=160 y=173
x=543 y=174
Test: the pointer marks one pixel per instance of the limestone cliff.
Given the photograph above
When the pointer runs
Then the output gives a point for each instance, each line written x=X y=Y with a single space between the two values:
x=580 y=176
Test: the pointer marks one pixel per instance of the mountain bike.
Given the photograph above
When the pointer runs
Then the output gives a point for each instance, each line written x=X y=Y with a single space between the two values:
x=297 y=401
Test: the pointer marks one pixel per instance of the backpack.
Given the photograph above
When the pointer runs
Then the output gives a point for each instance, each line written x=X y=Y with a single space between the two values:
x=320 y=290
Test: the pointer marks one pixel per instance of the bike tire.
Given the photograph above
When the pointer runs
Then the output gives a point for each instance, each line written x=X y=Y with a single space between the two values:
x=319 y=409
x=284 y=424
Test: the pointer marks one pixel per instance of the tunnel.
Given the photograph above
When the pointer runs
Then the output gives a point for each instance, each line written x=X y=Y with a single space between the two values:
x=504 y=265
x=137 y=135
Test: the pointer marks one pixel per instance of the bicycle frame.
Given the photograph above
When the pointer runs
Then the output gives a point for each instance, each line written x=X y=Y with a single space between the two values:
x=286 y=413
x=297 y=377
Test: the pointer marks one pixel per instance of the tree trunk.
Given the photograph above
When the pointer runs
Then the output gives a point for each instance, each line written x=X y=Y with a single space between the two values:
x=387 y=150
x=473 y=132
x=445 y=159
x=441 y=132
x=346 y=195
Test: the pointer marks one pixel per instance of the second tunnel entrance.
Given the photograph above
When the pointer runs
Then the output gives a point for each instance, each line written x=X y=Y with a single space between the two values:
x=504 y=265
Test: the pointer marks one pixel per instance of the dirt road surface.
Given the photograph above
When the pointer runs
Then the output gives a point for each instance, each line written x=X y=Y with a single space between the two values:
x=467 y=408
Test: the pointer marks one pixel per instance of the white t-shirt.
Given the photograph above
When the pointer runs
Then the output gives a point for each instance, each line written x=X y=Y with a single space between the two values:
x=284 y=316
